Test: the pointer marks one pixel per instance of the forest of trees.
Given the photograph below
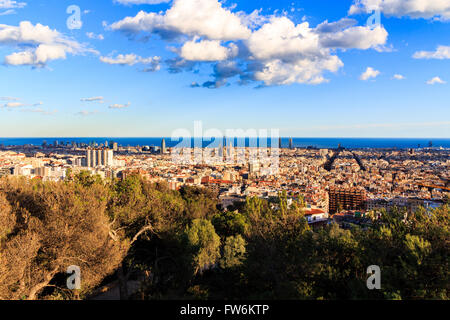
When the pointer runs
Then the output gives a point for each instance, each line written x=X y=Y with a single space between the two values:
x=180 y=245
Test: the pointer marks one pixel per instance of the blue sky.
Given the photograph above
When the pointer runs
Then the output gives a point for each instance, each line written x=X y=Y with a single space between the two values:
x=287 y=65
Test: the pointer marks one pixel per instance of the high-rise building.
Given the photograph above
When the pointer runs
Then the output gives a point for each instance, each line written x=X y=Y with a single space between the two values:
x=163 y=146
x=93 y=158
x=109 y=157
x=99 y=157
x=88 y=157
x=291 y=145
x=346 y=199
x=253 y=167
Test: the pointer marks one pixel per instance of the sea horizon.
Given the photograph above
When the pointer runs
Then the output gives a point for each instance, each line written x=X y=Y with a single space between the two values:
x=297 y=142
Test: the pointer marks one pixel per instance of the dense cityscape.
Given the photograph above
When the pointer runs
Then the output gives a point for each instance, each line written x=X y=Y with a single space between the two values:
x=338 y=181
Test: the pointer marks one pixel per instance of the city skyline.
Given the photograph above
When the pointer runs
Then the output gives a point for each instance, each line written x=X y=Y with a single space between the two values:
x=308 y=68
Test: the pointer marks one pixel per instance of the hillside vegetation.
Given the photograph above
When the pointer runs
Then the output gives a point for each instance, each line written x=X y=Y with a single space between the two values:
x=179 y=245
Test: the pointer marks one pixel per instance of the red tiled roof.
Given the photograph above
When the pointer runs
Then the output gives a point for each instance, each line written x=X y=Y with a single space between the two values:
x=313 y=211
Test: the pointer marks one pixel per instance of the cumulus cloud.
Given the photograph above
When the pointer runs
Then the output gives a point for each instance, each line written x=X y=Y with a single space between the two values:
x=41 y=44
x=369 y=73
x=191 y=17
x=436 y=80
x=286 y=53
x=207 y=50
x=119 y=106
x=256 y=48
x=426 y=9
x=222 y=71
x=355 y=37
x=132 y=59
x=330 y=27
x=281 y=38
x=442 y=52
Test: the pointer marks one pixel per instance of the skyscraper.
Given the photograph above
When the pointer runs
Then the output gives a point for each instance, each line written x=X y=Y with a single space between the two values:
x=88 y=157
x=99 y=157
x=163 y=146
x=93 y=158
x=291 y=145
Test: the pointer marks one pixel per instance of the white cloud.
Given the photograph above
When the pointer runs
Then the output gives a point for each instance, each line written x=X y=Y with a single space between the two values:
x=281 y=38
x=355 y=37
x=132 y=2
x=191 y=17
x=426 y=9
x=289 y=53
x=442 y=52
x=10 y=4
x=43 y=44
x=8 y=12
x=207 y=50
x=87 y=113
x=277 y=72
x=265 y=48
x=369 y=73
x=398 y=77
x=132 y=59
x=119 y=106
x=253 y=20
x=92 y=99
x=14 y=105
x=436 y=80
x=92 y=35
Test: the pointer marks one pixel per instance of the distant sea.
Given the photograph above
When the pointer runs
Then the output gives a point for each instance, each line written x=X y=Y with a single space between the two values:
x=399 y=143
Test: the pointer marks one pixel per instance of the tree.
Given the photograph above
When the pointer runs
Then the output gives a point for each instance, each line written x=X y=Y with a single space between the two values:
x=230 y=223
x=203 y=244
x=233 y=252
x=55 y=226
